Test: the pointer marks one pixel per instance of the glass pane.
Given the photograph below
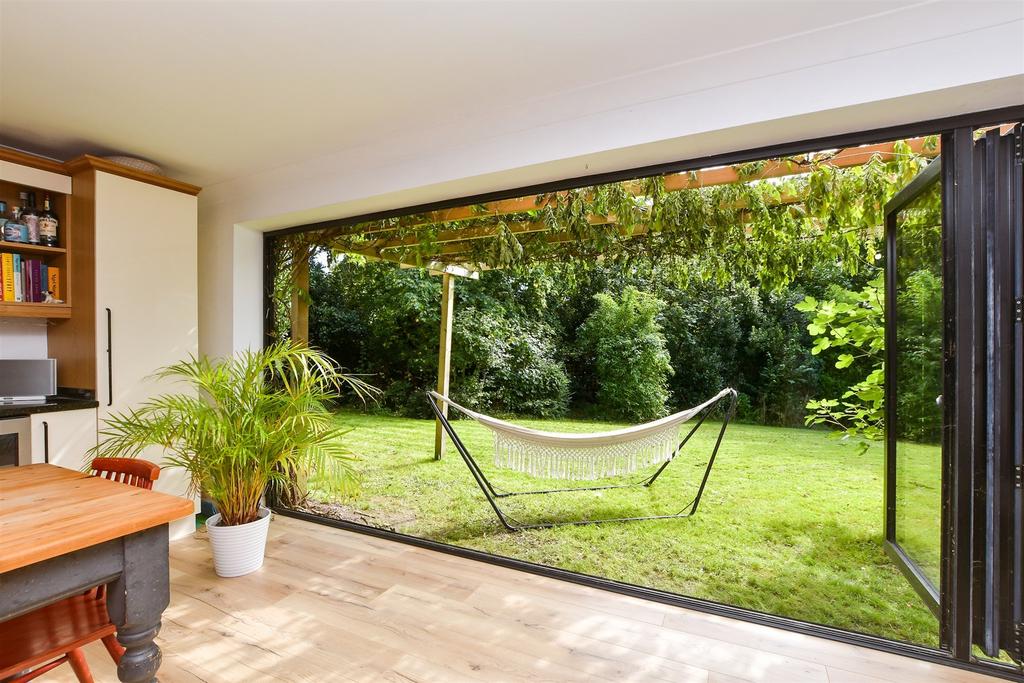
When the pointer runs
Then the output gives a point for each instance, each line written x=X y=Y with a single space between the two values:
x=919 y=380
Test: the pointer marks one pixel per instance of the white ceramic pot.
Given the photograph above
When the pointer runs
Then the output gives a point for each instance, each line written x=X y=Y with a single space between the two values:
x=238 y=550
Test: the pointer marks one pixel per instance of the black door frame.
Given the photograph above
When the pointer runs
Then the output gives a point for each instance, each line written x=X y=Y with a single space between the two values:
x=931 y=594
x=962 y=293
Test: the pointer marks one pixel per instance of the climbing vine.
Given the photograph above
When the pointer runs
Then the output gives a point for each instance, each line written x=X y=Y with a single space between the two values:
x=763 y=230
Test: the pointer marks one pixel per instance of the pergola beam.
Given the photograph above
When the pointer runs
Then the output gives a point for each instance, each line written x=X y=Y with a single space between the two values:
x=451 y=243
x=458 y=242
x=481 y=232
x=725 y=175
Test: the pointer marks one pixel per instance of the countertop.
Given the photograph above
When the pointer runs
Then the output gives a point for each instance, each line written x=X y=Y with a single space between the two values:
x=50 y=405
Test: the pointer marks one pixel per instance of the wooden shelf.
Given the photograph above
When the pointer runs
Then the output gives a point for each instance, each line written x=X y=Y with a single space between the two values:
x=23 y=248
x=62 y=257
x=15 y=309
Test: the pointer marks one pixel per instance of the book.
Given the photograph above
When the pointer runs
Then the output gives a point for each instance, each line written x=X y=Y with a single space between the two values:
x=44 y=279
x=19 y=278
x=27 y=294
x=8 y=274
x=37 y=284
x=53 y=281
x=26 y=280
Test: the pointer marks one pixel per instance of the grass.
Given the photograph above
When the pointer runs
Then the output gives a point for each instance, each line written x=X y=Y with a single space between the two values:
x=918 y=497
x=790 y=524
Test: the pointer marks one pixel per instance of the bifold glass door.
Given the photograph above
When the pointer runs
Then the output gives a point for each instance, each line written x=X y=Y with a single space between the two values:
x=997 y=596
x=914 y=415
x=954 y=376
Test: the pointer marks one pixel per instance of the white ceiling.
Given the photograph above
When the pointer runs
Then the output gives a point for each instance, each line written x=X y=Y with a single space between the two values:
x=215 y=91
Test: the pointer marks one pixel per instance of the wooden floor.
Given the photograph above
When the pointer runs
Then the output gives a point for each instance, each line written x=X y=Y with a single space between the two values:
x=331 y=605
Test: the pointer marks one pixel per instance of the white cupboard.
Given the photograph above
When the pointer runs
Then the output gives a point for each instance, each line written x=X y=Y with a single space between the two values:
x=63 y=437
x=146 y=299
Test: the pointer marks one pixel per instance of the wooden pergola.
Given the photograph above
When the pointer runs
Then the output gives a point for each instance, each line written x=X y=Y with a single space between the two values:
x=454 y=233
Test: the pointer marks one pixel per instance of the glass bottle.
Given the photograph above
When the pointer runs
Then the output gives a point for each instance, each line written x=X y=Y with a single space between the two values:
x=30 y=217
x=47 y=224
x=14 y=229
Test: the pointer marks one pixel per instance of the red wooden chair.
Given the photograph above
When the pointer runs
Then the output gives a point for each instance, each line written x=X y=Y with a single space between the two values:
x=45 y=638
x=141 y=473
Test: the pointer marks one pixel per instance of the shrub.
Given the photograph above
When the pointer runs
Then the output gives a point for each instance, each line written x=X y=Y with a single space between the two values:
x=383 y=322
x=623 y=342
x=507 y=364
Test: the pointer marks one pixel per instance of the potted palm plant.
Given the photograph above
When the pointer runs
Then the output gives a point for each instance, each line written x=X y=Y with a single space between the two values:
x=252 y=421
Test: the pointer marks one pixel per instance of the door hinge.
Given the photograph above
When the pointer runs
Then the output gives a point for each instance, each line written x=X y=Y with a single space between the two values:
x=1018 y=146
x=1018 y=476
x=1018 y=309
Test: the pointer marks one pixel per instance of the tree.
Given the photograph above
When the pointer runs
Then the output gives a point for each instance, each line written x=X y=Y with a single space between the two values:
x=624 y=342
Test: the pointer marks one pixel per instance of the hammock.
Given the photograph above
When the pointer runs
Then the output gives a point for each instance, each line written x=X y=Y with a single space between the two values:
x=584 y=457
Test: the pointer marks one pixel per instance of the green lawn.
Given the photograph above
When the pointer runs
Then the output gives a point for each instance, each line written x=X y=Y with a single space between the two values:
x=790 y=523
x=918 y=498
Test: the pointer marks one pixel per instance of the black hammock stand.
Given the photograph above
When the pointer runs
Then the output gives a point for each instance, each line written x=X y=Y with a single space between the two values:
x=493 y=494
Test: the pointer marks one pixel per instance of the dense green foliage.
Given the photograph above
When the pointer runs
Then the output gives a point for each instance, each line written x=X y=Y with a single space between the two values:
x=623 y=342
x=518 y=347
x=920 y=357
x=729 y=262
x=384 y=322
x=752 y=230
x=852 y=324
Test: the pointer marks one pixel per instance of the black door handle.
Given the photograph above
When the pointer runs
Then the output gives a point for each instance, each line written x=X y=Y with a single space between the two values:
x=110 y=362
x=46 y=442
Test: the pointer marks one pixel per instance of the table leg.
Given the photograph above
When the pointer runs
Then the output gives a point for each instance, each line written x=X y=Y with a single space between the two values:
x=136 y=600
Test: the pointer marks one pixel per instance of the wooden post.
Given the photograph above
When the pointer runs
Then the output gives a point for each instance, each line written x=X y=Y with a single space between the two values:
x=300 y=296
x=444 y=357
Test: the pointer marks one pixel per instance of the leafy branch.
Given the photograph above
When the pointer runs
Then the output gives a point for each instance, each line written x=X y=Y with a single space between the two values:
x=851 y=323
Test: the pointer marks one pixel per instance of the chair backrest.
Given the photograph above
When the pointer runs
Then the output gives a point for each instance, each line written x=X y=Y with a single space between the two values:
x=131 y=471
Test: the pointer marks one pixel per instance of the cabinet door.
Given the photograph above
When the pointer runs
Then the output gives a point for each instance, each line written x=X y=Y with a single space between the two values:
x=146 y=287
x=146 y=297
x=63 y=438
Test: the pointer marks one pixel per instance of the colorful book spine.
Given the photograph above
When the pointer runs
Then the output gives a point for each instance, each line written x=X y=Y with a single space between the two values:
x=19 y=278
x=8 y=274
x=26 y=280
x=53 y=281
x=37 y=284
x=44 y=279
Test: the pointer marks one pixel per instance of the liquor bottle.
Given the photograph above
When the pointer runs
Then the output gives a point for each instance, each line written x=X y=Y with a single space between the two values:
x=47 y=224
x=14 y=229
x=30 y=217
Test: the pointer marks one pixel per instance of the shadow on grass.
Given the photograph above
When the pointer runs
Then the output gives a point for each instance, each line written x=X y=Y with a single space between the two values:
x=821 y=571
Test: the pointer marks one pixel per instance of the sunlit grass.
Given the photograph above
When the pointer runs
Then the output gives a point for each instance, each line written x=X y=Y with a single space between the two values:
x=790 y=524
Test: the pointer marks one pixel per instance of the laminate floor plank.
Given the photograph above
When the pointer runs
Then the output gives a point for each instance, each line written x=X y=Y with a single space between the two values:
x=336 y=606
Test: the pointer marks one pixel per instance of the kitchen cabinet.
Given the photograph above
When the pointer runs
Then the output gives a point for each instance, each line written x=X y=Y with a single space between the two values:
x=63 y=437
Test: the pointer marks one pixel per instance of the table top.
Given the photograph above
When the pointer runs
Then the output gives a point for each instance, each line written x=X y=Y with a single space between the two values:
x=46 y=511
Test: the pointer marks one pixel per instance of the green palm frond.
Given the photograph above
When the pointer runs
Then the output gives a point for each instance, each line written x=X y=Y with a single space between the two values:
x=256 y=419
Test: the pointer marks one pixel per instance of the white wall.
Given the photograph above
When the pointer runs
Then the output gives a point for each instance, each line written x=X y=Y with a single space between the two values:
x=955 y=58
x=23 y=338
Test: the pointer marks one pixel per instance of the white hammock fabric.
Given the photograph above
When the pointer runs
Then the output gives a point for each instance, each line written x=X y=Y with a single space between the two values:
x=583 y=457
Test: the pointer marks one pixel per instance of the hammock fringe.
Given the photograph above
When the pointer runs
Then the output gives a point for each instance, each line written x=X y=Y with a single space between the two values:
x=584 y=457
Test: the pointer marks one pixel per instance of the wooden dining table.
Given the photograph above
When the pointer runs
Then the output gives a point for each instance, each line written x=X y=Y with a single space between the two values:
x=63 y=532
